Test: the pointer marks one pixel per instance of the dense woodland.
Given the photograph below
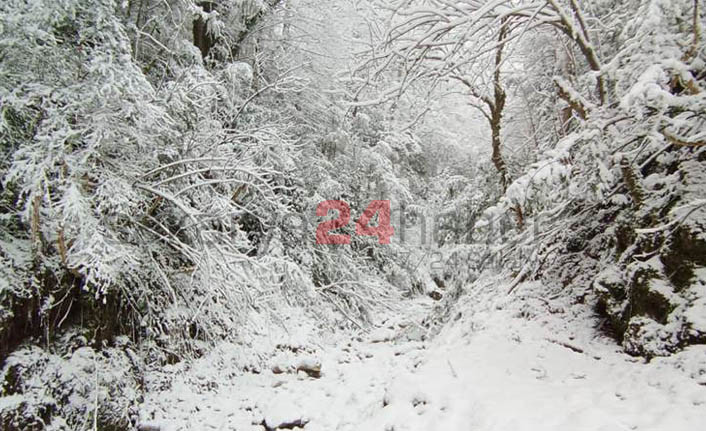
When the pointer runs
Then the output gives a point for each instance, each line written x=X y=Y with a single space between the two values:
x=163 y=160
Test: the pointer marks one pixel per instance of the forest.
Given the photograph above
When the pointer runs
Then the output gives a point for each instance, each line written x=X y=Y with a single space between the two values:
x=377 y=215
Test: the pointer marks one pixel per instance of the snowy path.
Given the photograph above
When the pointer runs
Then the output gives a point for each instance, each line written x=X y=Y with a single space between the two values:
x=489 y=371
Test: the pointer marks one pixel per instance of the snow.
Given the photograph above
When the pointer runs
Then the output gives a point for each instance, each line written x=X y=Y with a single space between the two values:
x=489 y=369
x=696 y=314
x=145 y=183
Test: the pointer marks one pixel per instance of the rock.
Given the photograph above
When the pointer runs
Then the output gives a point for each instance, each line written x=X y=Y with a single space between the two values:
x=435 y=295
x=299 y=423
x=281 y=413
x=311 y=367
x=382 y=335
x=647 y=338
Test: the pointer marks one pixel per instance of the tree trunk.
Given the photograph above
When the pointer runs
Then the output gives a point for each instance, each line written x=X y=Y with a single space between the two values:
x=202 y=39
x=496 y=110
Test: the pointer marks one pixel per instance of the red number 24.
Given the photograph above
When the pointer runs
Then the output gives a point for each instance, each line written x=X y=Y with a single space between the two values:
x=383 y=230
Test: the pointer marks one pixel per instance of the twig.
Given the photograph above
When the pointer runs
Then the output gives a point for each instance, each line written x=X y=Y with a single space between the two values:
x=567 y=345
x=453 y=371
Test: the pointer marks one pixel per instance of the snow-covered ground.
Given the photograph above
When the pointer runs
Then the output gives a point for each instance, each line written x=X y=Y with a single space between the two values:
x=500 y=364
